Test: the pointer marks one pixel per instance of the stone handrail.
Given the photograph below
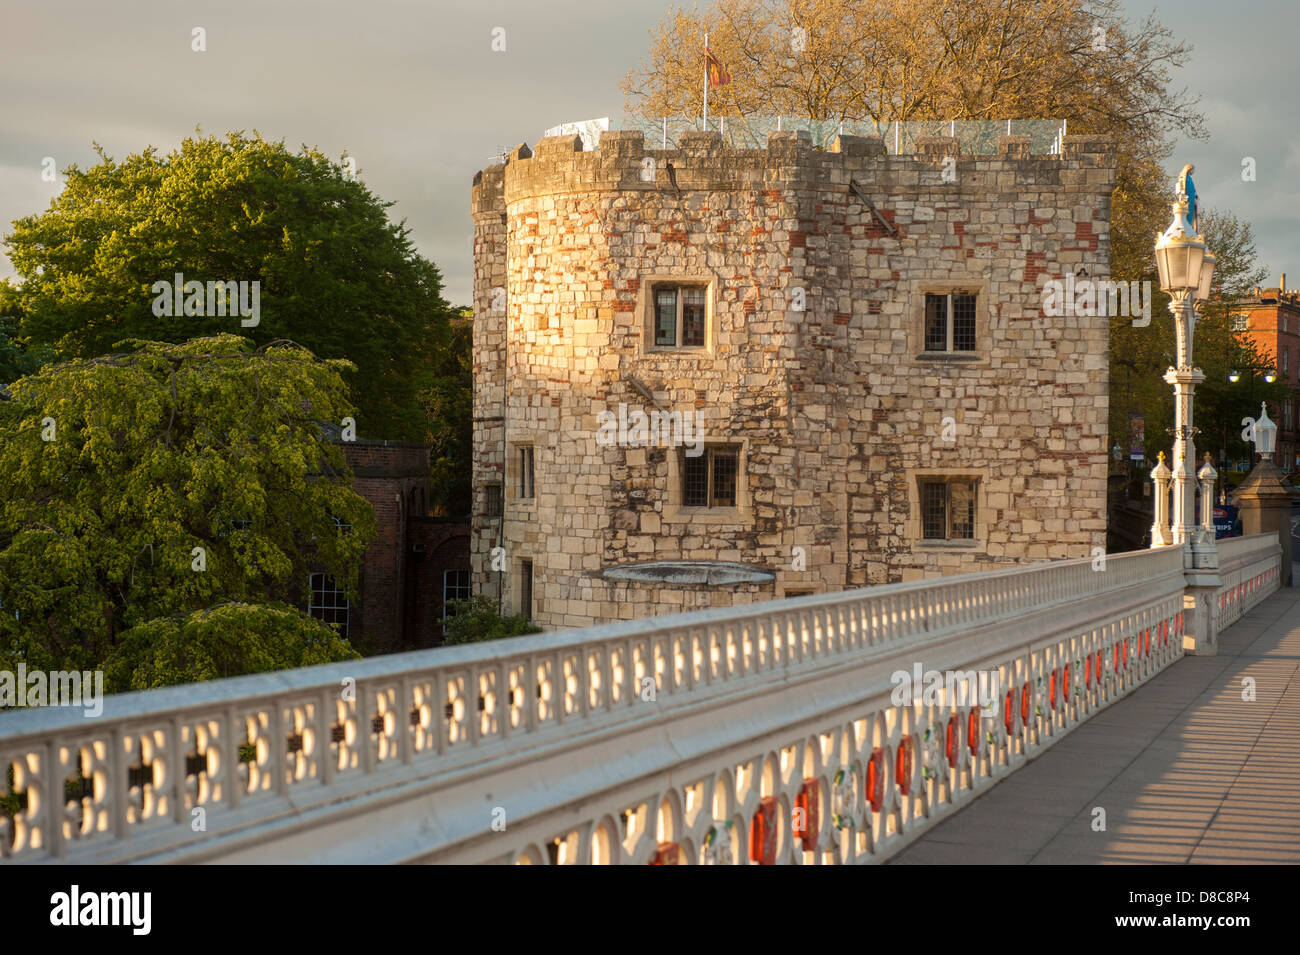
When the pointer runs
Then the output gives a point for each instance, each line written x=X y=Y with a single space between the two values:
x=1249 y=570
x=771 y=732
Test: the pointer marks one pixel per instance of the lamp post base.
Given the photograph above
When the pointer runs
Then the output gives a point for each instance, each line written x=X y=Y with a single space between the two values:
x=1200 y=625
x=1202 y=584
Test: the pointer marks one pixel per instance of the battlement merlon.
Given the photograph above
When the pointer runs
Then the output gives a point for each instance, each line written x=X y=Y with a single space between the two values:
x=558 y=165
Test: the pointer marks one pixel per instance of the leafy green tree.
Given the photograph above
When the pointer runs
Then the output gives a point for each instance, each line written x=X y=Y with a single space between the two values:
x=449 y=408
x=226 y=640
x=166 y=480
x=335 y=274
x=15 y=360
x=477 y=619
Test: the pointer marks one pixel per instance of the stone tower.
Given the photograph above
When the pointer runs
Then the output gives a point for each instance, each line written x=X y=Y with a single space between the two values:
x=861 y=339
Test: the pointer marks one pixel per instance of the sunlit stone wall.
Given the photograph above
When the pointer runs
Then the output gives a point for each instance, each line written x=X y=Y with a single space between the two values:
x=816 y=265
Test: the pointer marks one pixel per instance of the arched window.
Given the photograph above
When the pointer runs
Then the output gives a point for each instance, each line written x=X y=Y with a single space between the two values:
x=328 y=603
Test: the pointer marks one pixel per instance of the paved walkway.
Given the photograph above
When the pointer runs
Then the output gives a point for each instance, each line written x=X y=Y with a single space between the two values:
x=1185 y=769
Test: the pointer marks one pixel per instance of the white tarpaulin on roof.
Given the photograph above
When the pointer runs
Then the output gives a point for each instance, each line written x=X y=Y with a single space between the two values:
x=588 y=129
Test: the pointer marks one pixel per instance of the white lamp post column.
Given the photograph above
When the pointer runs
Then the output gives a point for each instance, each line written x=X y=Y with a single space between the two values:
x=1184 y=378
x=1186 y=271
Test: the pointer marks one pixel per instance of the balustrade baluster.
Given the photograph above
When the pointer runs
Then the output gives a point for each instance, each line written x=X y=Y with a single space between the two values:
x=231 y=736
x=325 y=714
x=176 y=769
x=50 y=818
x=440 y=718
x=631 y=689
x=276 y=758
x=473 y=718
x=405 y=703
x=117 y=782
x=559 y=685
x=583 y=659
x=607 y=675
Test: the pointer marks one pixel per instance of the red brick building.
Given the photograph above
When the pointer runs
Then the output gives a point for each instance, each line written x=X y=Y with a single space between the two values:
x=414 y=565
x=1271 y=319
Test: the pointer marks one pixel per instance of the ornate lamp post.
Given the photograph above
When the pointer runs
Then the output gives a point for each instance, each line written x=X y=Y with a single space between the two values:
x=1186 y=271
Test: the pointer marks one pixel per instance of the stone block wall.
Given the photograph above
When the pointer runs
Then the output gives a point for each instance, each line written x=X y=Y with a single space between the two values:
x=816 y=265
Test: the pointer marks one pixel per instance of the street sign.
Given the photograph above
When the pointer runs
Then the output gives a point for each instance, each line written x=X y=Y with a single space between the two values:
x=1225 y=515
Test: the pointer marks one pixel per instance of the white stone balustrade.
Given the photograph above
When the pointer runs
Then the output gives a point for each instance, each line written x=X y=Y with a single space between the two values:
x=762 y=732
x=1250 y=570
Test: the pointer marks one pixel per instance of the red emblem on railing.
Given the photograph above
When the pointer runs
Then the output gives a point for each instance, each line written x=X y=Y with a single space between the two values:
x=667 y=853
x=762 y=833
x=952 y=740
x=875 y=789
x=903 y=766
x=807 y=814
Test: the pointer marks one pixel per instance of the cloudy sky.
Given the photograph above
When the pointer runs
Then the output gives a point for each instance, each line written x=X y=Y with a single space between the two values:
x=413 y=90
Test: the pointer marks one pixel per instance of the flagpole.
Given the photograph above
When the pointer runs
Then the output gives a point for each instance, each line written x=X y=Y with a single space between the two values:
x=706 y=82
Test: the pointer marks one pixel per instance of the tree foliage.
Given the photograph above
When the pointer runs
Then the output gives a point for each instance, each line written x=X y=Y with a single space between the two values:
x=16 y=360
x=335 y=275
x=448 y=403
x=477 y=619
x=164 y=480
x=227 y=640
x=923 y=59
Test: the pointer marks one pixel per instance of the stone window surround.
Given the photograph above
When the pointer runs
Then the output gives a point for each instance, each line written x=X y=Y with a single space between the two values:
x=492 y=505
x=675 y=512
x=645 y=309
x=525 y=566
x=913 y=530
x=510 y=488
x=916 y=327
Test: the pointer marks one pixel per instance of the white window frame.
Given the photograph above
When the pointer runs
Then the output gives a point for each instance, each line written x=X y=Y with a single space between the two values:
x=345 y=629
x=467 y=588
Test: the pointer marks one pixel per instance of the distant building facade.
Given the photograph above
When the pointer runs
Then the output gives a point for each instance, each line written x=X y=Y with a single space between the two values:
x=415 y=564
x=1271 y=319
x=707 y=376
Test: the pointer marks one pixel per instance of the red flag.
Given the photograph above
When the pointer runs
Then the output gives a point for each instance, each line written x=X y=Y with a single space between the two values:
x=718 y=75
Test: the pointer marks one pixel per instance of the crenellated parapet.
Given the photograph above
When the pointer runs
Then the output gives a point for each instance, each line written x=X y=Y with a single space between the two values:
x=624 y=161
